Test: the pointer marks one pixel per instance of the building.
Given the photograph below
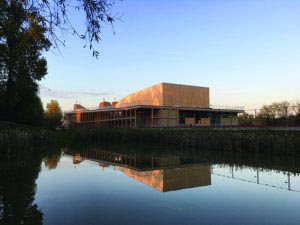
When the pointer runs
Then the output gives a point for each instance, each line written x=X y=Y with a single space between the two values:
x=162 y=105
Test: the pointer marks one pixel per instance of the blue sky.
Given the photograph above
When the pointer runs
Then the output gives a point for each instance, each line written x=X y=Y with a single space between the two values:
x=247 y=52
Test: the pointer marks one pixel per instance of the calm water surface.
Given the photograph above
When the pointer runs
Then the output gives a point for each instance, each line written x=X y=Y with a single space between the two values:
x=101 y=186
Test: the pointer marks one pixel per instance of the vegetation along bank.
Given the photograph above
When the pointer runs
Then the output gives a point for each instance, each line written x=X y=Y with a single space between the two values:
x=258 y=141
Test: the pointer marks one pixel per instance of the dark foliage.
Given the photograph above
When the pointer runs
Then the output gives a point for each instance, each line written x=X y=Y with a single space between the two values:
x=246 y=119
x=19 y=169
x=27 y=29
x=22 y=41
x=255 y=141
x=56 y=20
x=276 y=114
x=17 y=193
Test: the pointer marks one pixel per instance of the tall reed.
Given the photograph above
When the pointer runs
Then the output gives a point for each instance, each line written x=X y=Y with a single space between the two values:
x=272 y=141
x=13 y=136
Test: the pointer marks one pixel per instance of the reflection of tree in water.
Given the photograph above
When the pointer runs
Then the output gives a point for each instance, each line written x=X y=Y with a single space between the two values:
x=17 y=187
x=51 y=160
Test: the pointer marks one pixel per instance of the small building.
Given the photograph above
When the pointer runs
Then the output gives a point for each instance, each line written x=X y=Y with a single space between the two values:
x=162 y=105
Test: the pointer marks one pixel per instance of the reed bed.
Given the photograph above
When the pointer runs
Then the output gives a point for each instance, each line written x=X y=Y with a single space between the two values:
x=258 y=141
x=15 y=135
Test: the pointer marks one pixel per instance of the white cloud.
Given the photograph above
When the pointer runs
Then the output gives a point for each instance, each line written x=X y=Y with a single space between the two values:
x=52 y=93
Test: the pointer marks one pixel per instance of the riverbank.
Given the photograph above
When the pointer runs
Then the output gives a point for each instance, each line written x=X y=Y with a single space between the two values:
x=257 y=141
x=285 y=142
x=14 y=136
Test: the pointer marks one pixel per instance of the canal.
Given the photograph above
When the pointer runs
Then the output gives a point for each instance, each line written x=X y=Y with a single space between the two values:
x=120 y=185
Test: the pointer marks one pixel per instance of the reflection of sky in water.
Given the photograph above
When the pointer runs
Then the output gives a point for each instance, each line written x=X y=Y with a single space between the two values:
x=88 y=194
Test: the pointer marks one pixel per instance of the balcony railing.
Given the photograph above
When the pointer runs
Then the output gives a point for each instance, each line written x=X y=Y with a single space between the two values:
x=227 y=107
x=150 y=103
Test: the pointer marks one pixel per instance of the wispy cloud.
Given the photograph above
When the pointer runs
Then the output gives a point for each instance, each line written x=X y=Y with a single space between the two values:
x=48 y=92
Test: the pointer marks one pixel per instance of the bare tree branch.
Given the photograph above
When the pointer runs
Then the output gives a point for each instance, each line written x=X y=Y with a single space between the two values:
x=56 y=19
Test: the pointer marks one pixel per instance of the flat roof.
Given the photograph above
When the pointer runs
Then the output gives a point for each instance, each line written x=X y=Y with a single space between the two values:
x=220 y=109
x=188 y=85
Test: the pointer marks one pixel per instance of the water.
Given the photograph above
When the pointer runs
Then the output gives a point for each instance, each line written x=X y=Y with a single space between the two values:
x=100 y=185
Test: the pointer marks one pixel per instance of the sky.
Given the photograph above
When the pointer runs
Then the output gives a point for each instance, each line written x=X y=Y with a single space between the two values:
x=246 y=51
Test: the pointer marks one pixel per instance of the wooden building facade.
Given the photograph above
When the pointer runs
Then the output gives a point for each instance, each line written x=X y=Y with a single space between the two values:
x=162 y=105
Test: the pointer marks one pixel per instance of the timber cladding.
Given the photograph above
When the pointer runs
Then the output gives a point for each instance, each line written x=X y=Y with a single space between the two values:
x=149 y=96
x=185 y=95
x=166 y=94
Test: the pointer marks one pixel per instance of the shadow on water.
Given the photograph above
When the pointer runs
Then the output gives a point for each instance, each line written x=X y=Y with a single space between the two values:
x=161 y=168
x=18 y=174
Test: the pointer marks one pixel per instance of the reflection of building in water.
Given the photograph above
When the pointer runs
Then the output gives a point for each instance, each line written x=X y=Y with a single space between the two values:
x=243 y=175
x=77 y=159
x=172 y=179
x=164 y=173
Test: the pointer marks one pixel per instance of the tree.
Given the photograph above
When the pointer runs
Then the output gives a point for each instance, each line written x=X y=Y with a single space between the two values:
x=55 y=15
x=51 y=160
x=53 y=115
x=22 y=41
x=267 y=112
x=27 y=29
x=279 y=113
x=246 y=119
x=282 y=109
x=30 y=111
x=276 y=110
x=296 y=108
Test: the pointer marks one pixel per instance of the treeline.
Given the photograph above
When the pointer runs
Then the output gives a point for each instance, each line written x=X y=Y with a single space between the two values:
x=35 y=115
x=28 y=29
x=276 y=114
x=38 y=132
